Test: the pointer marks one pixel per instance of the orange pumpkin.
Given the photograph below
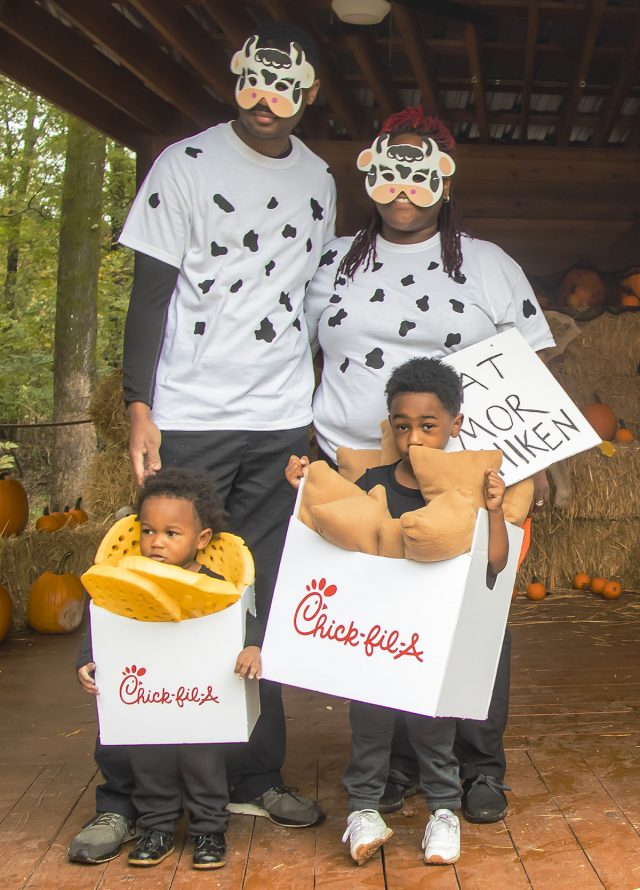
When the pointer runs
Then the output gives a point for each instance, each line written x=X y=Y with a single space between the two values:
x=611 y=590
x=597 y=584
x=581 y=581
x=631 y=285
x=50 y=522
x=14 y=507
x=602 y=418
x=56 y=601
x=6 y=610
x=536 y=590
x=630 y=301
x=581 y=290
x=623 y=435
x=77 y=516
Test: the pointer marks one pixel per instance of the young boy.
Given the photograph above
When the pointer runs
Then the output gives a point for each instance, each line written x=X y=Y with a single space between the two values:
x=179 y=513
x=424 y=397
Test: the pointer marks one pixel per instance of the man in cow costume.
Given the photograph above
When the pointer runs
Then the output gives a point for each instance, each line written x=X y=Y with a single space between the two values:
x=228 y=229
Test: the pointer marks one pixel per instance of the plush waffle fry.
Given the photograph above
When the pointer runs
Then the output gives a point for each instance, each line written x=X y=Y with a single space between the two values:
x=129 y=594
x=196 y=594
x=122 y=539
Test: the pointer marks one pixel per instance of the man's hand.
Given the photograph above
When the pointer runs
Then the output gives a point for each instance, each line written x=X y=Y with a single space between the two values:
x=249 y=663
x=144 y=442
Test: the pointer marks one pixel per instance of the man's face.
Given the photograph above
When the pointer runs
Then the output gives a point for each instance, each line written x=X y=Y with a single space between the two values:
x=261 y=123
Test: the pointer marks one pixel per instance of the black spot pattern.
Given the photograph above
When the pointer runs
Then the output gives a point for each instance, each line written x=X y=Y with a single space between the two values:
x=336 y=319
x=192 y=152
x=327 y=258
x=405 y=327
x=432 y=265
x=528 y=309
x=457 y=306
x=423 y=303
x=452 y=340
x=374 y=358
x=296 y=324
x=266 y=331
x=268 y=269
x=285 y=301
x=344 y=365
x=316 y=210
x=336 y=298
x=199 y=328
x=377 y=266
x=407 y=280
x=218 y=249
x=205 y=286
x=289 y=231
x=272 y=204
x=378 y=296
x=223 y=204
x=459 y=278
x=341 y=281
x=235 y=287
x=154 y=200
x=309 y=245
x=250 y=240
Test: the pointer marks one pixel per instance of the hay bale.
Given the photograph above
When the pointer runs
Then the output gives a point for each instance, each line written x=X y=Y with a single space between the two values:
x=25 y=557
x=109 y=485
x=606 y=345
x=108 y=413
x=620 y=391
x=604 y=488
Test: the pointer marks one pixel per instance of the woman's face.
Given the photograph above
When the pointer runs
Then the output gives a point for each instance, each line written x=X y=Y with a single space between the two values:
x=402 y=221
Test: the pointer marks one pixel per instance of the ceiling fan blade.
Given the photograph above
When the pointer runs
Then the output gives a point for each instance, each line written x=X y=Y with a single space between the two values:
x=449 y=9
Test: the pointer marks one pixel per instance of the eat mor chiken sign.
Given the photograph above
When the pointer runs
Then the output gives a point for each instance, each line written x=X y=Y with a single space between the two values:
x=419 y=637
x=513 y=403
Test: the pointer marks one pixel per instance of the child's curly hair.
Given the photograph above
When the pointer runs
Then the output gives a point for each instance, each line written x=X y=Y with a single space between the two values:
x=197 y=488
x=427 y=375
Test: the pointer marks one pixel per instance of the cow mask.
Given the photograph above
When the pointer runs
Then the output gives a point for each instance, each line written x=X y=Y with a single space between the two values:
x=418 y=171
x=272 y=74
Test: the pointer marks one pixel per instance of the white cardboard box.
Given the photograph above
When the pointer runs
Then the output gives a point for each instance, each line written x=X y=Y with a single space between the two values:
x=173 y=682
x=419 y=637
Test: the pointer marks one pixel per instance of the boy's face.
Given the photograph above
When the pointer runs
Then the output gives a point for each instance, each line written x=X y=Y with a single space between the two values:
x=171 y=532
x=420 y=418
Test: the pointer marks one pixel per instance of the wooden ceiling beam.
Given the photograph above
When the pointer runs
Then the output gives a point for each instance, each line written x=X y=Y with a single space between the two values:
x=373 y=71
x=332 y=84
x=183 y=33
x=625 y=79
x=577 y=80
x=65 y=49
x=529 y=66
x=132 y=48
x=477 y=82
x=234 y=22
x=25 y=66
x=409 y=29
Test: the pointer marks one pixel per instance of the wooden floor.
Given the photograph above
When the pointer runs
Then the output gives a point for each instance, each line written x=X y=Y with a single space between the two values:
x=574 y=766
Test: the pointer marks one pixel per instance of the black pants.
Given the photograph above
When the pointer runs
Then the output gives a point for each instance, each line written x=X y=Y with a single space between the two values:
x=248 y=468
x=165 y=775
x=479 y=745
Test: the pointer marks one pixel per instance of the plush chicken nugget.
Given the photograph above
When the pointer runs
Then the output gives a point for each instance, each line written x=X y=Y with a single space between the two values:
x=195 y=593
x=129 y=594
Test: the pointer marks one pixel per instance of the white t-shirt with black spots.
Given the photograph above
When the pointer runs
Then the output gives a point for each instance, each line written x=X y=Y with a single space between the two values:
x=246 y=233
x=404 y=306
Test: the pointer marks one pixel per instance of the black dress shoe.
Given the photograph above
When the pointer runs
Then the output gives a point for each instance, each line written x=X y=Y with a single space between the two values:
x=394 y=794
x=209 y=851
x=152 y=848
x=484 y=800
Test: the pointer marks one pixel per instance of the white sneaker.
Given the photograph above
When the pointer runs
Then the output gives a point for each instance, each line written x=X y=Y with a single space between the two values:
x=441 y=842
x=366 y=833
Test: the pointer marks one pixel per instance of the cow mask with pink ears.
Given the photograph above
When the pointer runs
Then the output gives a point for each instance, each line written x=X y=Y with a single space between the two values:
x=276 y=75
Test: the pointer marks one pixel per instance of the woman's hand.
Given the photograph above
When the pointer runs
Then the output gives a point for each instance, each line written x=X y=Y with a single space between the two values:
x=296 y=469
x=249 y=663
x=540 y=490
x=86 y=679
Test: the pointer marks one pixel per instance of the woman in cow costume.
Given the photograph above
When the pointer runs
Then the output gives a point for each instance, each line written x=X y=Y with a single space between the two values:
x=412 y=283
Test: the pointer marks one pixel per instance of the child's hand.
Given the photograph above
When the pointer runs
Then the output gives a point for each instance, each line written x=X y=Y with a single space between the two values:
x=249 y=663
x=296 y=469
x=493 y=490
x=86 y=680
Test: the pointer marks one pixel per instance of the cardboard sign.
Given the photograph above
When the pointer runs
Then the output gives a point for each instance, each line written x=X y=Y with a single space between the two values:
x=166 y=682
x=419 y=637
x=512 y=402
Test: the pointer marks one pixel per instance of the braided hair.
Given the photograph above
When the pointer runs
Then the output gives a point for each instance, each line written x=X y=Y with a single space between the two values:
x=363 y=248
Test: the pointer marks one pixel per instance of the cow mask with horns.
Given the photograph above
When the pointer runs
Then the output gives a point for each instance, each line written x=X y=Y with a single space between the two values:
x=272 y=74
x=417 y=171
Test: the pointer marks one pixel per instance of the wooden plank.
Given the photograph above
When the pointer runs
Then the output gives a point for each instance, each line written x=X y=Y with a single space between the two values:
x=17 y=777
x=403 y=857
x=489 y=859
x=409 y=28
x=477 y=80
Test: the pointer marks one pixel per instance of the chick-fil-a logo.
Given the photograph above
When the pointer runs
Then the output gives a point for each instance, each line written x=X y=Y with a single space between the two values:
x=134 y=692
x=312 y=618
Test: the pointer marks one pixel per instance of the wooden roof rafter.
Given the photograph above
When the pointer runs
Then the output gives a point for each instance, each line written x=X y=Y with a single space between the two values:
x=408 y=25
x=529 y=65
x=477 y=80
x=614 y=102
x=373 y=72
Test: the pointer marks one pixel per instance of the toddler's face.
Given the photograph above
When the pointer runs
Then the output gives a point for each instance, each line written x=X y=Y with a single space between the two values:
x=170 y=531
x=420 y=418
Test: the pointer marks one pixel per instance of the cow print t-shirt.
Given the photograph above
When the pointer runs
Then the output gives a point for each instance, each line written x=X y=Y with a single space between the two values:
x=404 y=306
x=246 y=233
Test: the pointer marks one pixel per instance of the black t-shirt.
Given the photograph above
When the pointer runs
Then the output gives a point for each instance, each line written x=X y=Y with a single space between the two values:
x=400 y=499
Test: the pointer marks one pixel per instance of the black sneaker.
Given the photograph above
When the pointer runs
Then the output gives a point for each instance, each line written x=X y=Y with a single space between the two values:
x=209 y=851
x=152 y=848
x=394 y=794
x=484 y=800
x=101 y=839
x=283 y=806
